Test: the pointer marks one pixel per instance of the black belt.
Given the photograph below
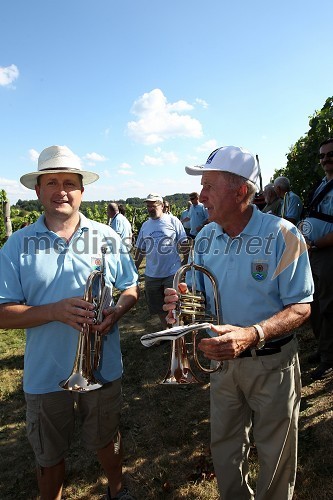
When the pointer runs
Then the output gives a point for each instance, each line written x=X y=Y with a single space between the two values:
x=269 y=348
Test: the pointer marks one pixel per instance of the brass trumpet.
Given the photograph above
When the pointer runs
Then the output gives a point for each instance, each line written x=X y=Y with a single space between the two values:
x=90 y=343
x=189 y=310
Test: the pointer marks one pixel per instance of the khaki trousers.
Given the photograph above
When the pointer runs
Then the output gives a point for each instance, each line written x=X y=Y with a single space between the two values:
x=264 y=393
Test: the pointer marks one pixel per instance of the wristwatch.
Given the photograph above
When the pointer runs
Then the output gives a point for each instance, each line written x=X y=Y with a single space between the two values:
x=261 y=334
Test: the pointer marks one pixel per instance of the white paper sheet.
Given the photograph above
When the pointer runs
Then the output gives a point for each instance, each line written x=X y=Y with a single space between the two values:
x=171 y=333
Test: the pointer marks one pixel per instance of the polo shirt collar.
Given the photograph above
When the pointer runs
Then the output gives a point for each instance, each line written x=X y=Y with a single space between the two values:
x=85 y=224
x=251 y=228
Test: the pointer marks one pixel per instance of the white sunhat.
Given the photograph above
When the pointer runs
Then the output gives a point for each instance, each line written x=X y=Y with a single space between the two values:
x=154 y=197
x=231 y=159
x=58 y=160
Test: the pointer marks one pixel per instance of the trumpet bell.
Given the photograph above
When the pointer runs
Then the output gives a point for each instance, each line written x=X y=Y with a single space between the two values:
x=78 y=383
x=180 y=371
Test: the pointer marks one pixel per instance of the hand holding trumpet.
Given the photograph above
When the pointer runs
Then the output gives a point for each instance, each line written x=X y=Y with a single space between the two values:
x=230 y=341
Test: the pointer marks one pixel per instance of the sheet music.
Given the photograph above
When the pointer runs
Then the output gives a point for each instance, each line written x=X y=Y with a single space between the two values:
x=173 y=333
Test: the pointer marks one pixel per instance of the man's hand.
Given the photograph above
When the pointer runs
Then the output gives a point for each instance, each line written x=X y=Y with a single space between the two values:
x=231 y=341
x=171 y=298
x=73 y=311
x=110 y=317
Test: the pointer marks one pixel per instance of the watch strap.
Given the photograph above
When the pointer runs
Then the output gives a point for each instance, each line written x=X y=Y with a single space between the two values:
x=261 y=334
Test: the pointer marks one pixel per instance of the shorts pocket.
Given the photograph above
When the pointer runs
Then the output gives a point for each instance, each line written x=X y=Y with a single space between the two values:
x=33 y=425
x=109 y=416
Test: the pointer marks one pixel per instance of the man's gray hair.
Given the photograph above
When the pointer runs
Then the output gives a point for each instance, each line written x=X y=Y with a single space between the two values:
x=283 y=183
x=236 y=181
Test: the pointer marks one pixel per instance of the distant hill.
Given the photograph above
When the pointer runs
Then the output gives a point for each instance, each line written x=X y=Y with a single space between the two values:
x=178 y=199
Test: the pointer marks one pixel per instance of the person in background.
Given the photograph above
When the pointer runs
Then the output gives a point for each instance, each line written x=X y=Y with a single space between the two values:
x=44 y=268
x=160 y=240
x=318 y=231
x=273 y=202
x=122 y=209
x=120 y=224
x=198 y=215
x=265 y=288
x=166 y=207
x=292 y=206
x=185 y=218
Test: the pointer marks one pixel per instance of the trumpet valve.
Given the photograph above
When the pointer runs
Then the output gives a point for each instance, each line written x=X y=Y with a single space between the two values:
x=191 y=307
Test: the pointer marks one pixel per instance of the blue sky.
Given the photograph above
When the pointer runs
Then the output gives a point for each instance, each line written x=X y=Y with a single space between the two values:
x=140 y=88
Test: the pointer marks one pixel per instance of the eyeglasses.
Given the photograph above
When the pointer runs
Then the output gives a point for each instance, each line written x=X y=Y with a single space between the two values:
x=193 y=198
x=321 y=156
x=153 y=205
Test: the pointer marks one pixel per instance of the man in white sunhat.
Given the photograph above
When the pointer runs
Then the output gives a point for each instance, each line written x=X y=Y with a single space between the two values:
x=44 y=268
x=159 y=240
x=265 y=287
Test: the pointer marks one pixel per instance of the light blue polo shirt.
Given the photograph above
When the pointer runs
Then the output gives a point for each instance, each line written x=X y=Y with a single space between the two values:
x=292 y=206
x=198 y=215
x=37 y=267
x=122 y=226
x=244 y=268
x=316 y=228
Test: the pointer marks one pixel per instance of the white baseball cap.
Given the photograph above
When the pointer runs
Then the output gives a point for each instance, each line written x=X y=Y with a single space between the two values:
x=154 y=197
x=231 y=159
x=58 y=160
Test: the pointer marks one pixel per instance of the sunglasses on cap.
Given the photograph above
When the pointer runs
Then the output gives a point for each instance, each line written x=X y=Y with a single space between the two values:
x=321 y=156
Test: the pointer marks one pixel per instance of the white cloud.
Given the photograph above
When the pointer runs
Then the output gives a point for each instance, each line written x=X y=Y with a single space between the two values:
x=33 y=155
x=8 y=75
x=159 y=120
x=202 y=102
x=15 y=190
x=160 y=158
x=93 y=158
x=208 y=146
x=124 y=172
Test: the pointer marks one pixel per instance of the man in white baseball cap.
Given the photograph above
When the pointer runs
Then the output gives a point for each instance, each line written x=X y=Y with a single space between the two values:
x=44 y=269
x=230 y=159
x=265 y=289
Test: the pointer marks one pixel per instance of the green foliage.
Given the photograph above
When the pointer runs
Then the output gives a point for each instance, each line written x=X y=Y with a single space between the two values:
x=303 y=168
x=96 y=211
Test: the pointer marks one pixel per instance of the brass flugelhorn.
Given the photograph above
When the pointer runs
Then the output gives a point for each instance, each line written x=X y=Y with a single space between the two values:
x=90 y=342
x=190 y=309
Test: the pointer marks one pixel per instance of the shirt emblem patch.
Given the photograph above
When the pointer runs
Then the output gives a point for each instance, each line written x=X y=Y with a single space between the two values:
x=96 y=263
x=259 y=270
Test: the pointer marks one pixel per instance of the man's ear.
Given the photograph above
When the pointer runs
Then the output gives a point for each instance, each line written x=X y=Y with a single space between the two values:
x=241 y=193
x=37 y=190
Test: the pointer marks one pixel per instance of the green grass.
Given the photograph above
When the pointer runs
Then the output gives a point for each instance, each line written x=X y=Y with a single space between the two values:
x=165 y=429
